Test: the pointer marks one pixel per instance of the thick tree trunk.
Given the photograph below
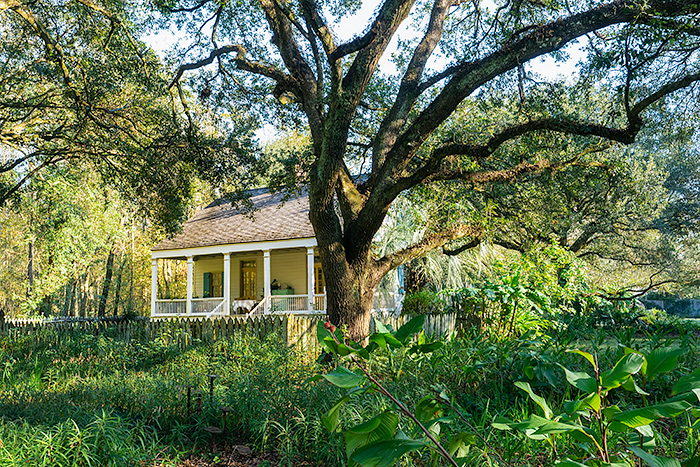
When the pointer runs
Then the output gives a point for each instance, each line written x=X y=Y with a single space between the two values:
x=349 y=301
x=350 y=282
x=107 y=283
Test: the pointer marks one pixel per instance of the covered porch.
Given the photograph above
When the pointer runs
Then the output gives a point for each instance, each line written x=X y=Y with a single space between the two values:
x=280 y=276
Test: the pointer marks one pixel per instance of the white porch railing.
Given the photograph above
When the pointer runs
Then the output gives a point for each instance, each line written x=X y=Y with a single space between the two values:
x=209 y=307
x=259 y=309
x=171 y=307
x=200 y=307
x=320 y=302
x=285 y=303
x=204 y=306
x=218 y=311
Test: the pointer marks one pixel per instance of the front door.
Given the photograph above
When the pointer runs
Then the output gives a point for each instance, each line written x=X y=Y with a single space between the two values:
x=249 y=280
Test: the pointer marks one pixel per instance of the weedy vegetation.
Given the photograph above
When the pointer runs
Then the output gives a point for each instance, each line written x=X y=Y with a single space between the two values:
x=573 y=391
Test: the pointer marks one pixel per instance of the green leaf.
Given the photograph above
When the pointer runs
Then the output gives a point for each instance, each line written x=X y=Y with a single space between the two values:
x=654 y=461
x=581 y=381
x=570 y=407
x=537 y=399
x=344 y=378
x=645 y=430
x=385 y=453
x=631 y=386
x=530 y=423
x=646 y=415
x=503 y=424
x=586 y=355
x=566 y=462
x=378 y=339
x=380 y=328
x=610 y=412
x=379 y=428
x=625 y=367
x=406 y=331
x=687 y=383
x=550 y=428
x=592 y=402
x=459 y=445
x=426 y=348
x=330 y=419
x=428 y=408
x=661 y=360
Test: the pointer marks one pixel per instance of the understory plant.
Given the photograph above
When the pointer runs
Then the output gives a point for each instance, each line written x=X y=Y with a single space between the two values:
x=397 y=430
x=610 y=435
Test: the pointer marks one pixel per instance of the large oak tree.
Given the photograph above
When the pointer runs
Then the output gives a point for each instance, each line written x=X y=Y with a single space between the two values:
x=640 y=51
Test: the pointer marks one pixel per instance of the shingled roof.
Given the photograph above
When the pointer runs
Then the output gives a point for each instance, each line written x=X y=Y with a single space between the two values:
x=220 y=223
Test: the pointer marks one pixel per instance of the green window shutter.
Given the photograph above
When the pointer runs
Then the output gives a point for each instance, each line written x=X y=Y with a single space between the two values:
x=222 y=284
x=206 y=292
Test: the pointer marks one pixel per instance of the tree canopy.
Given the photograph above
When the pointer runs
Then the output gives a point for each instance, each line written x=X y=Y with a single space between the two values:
x=460 y=108
x=401 y=130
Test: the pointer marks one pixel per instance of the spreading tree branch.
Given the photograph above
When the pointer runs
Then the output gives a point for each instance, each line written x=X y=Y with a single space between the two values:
x=429 y=242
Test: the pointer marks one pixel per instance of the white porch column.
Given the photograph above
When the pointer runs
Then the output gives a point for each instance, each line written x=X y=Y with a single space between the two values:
x=310 y=276
x=227 y=283
x=267 y=278
x=154 y=285
x=190 y=283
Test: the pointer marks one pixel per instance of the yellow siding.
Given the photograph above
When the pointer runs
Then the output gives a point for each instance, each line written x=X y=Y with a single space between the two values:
x=289 y=267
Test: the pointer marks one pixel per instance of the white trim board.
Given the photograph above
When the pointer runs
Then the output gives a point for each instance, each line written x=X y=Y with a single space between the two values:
x=308 y=242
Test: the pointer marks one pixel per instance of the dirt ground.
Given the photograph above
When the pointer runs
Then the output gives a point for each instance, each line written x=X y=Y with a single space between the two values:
x=232 y=455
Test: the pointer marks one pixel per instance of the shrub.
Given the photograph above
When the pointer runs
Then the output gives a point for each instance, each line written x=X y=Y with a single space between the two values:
x=424 y=302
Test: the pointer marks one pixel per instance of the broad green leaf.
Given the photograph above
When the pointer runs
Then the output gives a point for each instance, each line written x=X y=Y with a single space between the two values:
x=570 y=407
x=591 y=402
x=631 y=386
x=427 y=409
x=392 y=341
x=344 y=378
x=379 y=428
x=529 y=371
x=537 y=399
x=557 y=427
x=380 y=328
x=585 y=355
x=687 y=383
x=385 y=453
x=625 y=367
x=330 y=419
x=344 y=350
x=661 y=360
x=646 y=415
x=566 y=462
x=378 y=339
x=414 y=326
x=426 y=348
x=533 y=421
x=503 y=424
x=459 y=445
x=645 y=440
x=581 y=381
x=609 y=412
x=618 y=427
x=653 y=461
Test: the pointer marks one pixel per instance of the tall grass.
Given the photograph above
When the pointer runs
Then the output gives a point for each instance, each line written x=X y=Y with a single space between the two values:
x=80 y=399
